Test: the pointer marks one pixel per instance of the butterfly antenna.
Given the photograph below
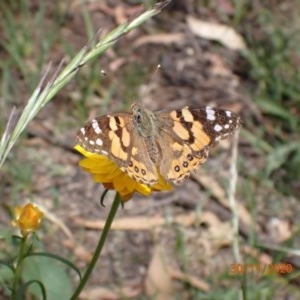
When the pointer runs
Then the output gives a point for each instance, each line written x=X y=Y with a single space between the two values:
x=152 y=79
x=104 y=74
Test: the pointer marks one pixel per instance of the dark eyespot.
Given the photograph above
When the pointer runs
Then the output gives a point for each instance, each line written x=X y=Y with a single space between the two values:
x=143 y=172
x=136 y=169
x=177 y=168
x=130 y=164
x=190 y=157
x=185 y=164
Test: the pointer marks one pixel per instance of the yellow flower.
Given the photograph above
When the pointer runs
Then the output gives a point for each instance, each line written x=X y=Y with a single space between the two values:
x=112 y=177
x=27 y=218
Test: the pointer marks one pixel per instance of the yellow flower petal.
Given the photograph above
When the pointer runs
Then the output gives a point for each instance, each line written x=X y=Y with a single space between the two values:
x=27 y=218
x=111 y=176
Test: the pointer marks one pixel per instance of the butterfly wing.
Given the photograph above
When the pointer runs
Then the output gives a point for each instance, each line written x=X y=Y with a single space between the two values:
x=117 y=138
x=141 y=168
x=189 y=133
x=105 y=135
x=180 y=144
x=177 y=165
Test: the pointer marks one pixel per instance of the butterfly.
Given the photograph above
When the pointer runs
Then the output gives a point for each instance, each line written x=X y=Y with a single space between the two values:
x=169 y=142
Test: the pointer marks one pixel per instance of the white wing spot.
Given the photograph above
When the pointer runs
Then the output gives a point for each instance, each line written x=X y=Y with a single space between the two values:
x=99 y=142
x=226 y=126
x=82 y=130
x=91 y=142
x=228 y=113
x=86 y=138
x=104 y=152
x=210 y=114
x=96 y=127
x=218 y=128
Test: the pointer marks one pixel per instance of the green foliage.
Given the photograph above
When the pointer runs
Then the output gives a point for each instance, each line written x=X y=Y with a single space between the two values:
x=272 y=56
x=54 y=278
x=21 y=43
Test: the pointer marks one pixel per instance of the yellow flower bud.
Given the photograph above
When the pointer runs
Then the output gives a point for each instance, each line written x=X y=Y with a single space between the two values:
x=27 y=218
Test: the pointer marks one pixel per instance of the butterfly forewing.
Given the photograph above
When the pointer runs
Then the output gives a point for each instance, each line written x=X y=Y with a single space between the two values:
x=108 y=135
x=190 y=133
x=116 y=137
x=217 y=124
x=199 y=127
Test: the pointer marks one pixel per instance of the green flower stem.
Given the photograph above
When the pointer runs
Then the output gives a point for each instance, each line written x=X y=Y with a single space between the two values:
x=99 y=247
x=18 y=269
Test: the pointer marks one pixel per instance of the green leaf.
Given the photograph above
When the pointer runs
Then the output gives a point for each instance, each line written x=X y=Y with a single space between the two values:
x=5 y=233
x=51 y=274
x=57 y=257
x=280 y=155
x=23 y=288
x=277 y=110
x=6 y=278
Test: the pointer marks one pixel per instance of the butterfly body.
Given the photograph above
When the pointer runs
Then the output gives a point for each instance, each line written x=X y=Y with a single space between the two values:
x=170 y=142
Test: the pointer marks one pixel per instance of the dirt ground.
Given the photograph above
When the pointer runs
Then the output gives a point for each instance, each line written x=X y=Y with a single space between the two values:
x=189 y=230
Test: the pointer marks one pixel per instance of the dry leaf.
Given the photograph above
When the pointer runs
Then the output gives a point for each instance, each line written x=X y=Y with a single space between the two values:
x=218 y=192
x=217 y=65
x=279 y=230
x=192 y=280
x=217 y=32
x=226 y=6
x=99 y=293
x=219 y=236
x=261 y=257
x=216 y=235
x=141 y=223
x=107 y=294
x=116 y=64
x=94 y=6
x=162 y=38
x=158 y=283
x=120 y=14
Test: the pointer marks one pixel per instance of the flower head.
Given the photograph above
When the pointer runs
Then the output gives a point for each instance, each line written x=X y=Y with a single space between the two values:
x=111 y=176
x=27 y=218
